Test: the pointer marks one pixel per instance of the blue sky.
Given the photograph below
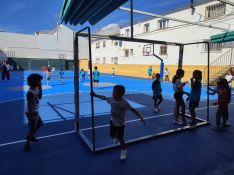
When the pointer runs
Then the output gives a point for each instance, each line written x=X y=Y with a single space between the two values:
x=30 y=16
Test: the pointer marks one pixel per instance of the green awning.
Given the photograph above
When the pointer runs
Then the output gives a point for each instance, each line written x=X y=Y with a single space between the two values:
x=80 y=11
x=223 y=37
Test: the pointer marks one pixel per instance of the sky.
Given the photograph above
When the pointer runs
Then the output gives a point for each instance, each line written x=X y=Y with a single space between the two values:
x=30 y=16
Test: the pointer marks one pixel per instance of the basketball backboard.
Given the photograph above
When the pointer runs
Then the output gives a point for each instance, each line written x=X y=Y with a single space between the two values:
x=148 y=50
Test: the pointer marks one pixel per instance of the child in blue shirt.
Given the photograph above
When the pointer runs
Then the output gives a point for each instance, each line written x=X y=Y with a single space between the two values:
x=157 y=92
x=82 y=73
x=96 y=75
x=150 y=70
x=195 y=94
x=61 y=75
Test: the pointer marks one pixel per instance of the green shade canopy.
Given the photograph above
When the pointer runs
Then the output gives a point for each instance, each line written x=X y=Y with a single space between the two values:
x=223 y=37
x=80 y=11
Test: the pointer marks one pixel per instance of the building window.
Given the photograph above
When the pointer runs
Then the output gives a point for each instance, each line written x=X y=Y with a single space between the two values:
x=97 y=60
x=114 y=60
x=146 y=27
x=163 y=50
x=97 y=45
x=116 y=43
x=104 y=44
x=213 y=47
x=215 y=10
x=104 y=60
x=127 y=33
x=131 y=52
x=164 y=23
x=126 y=53
x=62 y=56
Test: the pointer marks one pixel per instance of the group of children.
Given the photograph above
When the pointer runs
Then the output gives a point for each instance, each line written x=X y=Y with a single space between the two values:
x=119 y=106
x=222 y=89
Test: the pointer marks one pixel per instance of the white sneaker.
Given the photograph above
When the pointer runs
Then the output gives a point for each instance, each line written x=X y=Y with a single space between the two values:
x=123 y=154
x=115 y=141
x=158 y=108
x=155 y=109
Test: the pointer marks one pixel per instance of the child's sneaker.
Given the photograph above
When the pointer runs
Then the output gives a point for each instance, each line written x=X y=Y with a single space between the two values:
x=115 y=141
x=158 y=108
x=123 y=154
x=155 y=109
x=176 y=121
x=215 y=127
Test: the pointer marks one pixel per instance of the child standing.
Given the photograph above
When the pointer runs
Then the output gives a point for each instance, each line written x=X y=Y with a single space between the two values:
x=113 y=72
x=166 y=74
x=195 y=95
x=48 y=75
x=119 y=107
x=82 y=73
x=224 y=98
x=34 y=94
x=157 y=92
x=150 y=70
x=96 y=75
x=61 y=75
x=178 y=95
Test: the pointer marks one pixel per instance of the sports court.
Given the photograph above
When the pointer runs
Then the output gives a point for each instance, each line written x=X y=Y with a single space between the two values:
x=75 y=137
x=58 y=139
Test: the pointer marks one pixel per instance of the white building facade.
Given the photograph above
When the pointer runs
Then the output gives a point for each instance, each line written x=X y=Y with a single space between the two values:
x=213 y=13
x=56 y=44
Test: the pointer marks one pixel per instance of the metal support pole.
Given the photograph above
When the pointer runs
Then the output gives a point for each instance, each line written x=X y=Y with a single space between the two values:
x=181 y=53
x=76 y=82
x=91 y=85
x=131 y=15
x=208 y=83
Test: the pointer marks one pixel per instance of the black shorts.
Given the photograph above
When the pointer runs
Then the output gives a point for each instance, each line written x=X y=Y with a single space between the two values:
x=155 y=97
x=178 y=95
x=116 y=131
x=193 y=103
x=97 y=81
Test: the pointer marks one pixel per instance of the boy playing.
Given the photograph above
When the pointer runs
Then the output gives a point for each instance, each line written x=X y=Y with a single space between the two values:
x=96 y=75
x=195 y=95
x=119 y=107
x=61 y=75
x=34 y=94
x=157 y=92
x=224 y=98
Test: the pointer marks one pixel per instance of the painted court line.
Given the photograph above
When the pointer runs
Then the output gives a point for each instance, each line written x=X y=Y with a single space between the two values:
x=72 y=131
x=42 y=137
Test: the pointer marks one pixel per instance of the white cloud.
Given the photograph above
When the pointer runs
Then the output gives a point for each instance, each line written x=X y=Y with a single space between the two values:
x=110 y=29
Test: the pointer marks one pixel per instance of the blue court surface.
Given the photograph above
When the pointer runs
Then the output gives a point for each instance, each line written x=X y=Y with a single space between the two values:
x=61 y=151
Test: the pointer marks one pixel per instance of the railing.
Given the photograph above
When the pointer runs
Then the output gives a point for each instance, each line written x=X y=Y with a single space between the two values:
x=219 y=66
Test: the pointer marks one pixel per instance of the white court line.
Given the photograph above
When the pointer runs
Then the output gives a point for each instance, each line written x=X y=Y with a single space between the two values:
x=42 y=137
x=72 y=131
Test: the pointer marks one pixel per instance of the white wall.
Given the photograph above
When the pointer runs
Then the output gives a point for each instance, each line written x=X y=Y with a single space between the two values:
x=176 y=32
x=40 y=45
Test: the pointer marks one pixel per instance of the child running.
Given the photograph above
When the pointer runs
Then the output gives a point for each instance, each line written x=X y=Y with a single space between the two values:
x=96 y=75
x=224 y=98
x=157 y=92
x=61 y=75
x=178 y=95
x=119 y=107
x=34 y=94
x=195 y=95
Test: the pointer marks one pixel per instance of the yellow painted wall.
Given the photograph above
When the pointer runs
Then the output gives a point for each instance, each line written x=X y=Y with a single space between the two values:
x=141 y=70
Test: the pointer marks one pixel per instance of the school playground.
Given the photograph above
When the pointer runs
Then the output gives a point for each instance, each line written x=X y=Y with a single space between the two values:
x=60 y=150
